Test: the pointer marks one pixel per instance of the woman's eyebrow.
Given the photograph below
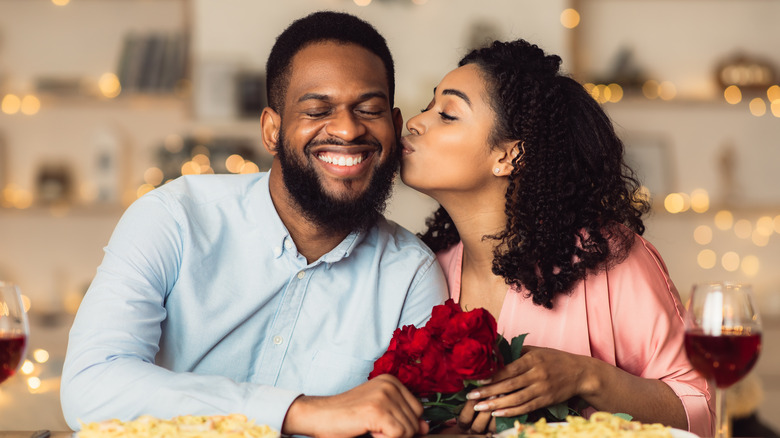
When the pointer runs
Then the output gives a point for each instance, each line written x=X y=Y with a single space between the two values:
x=454 y=92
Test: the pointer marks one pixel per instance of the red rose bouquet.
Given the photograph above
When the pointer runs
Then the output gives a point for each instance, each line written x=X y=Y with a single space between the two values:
x=444 y=360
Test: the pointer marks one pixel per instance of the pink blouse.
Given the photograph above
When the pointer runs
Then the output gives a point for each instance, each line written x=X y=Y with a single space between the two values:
x=630 y=316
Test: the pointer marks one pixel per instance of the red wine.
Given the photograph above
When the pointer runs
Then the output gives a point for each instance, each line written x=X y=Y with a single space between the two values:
x=11 y=351
x=726 y=358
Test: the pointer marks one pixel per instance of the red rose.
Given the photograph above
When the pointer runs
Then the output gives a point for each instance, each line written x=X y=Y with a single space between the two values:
x=387 y=364
x=473 y=360
x=476 y=324
x=412 y=341
x=409 y=374
x=438 y=372
x=441 y=316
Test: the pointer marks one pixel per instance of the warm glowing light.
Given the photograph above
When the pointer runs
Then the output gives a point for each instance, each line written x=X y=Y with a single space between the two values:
x=153 y=176
x=190 y=168
x=249 y=167
x=777 y=224
x=233 y=163
x=109 y=85
x=743 y=228
x=702 y=234
x=173 y=143
x=40 y=355
x=605 y=94
x=757 y=107
x=588 y=87
x=616 y=92
x=362 y=2
x=22 y=199
x=200 y=150
x=30 y=105
x=88 y=192
x=11 y=104
x=759 y=239
x=667 y=90
x=27 y=367
x=765 y=225
x=700 y=200
x=674 y=203
x=34 y=383
x=773 y=93
x=730 y=261
x=651 y=89
x=775 y=107
x=707 y=259
x=60 y=2
x=733 y=94
x=26 y=303
x=570 y=18
x=144 y=189
x=750 y=265
x=419 y=2
x=203 y=161
x=724 y=220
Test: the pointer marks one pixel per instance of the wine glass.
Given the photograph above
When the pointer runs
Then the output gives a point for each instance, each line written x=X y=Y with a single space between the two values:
x=722 y=338
x=13 y=330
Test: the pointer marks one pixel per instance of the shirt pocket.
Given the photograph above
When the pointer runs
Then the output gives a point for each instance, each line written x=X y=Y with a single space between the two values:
x=333 y=373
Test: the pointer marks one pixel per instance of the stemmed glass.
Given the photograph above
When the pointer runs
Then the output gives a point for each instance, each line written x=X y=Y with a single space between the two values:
x=722 y=338
x=14 y=330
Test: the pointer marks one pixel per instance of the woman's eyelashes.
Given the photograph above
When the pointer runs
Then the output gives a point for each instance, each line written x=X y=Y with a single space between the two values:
x=444 y=116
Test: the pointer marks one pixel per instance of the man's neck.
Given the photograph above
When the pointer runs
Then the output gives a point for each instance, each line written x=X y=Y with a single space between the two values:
x=311 y=240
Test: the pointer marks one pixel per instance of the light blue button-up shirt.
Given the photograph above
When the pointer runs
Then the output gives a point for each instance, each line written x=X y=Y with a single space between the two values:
x=202 y=305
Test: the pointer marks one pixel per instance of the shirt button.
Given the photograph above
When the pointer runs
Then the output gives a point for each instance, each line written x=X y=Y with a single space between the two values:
x=277 y=251
x=277 y=340
x=301 y=275
x=288 y=244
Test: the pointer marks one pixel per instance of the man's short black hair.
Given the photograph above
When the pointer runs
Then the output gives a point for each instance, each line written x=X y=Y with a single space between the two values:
x=318 y=27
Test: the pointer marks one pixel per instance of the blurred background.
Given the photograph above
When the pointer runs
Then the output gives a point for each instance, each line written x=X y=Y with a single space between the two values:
x=104 y=100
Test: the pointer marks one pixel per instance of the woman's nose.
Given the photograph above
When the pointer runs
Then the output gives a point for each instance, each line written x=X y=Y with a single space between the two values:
x=415 y=125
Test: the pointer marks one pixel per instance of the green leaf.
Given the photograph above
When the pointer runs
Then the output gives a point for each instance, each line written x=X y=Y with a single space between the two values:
x=624 y=416
x=504 y=349
x=437 y=413
x=504 y=423
x=517 y=345
x=558 y=411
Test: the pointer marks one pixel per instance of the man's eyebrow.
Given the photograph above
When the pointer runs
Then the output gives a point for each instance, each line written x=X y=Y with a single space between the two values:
x=454 y=92
x=326 y=98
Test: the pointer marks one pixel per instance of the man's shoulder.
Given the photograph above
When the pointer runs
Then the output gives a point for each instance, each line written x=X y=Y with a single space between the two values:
x=206 y=189
x=395 y=237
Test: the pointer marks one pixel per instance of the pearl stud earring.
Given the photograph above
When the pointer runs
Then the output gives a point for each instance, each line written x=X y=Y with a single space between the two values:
x=496 y=170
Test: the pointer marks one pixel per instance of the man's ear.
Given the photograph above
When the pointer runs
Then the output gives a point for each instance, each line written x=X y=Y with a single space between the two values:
x=270 y=124
x=398 y=122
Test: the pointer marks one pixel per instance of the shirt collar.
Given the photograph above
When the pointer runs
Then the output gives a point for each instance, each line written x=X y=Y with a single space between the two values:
x=280 y=239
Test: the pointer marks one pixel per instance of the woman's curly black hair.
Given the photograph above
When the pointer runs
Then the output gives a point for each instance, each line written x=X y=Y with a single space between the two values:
x=572 y=204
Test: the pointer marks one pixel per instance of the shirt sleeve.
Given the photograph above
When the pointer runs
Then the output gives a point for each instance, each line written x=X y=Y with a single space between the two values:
x=110 y=370
x=646 y=305
x=428 y=289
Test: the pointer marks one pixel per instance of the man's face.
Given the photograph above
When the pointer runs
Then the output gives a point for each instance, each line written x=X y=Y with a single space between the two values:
x=337 y=137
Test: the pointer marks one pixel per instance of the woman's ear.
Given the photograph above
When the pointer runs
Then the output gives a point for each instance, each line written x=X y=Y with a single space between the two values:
x=270 y=123
x=508 y=152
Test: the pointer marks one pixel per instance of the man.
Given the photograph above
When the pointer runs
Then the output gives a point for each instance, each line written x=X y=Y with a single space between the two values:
x=268 y=295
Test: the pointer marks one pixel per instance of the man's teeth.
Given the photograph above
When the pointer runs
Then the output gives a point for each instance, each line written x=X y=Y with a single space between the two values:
x=341 y=160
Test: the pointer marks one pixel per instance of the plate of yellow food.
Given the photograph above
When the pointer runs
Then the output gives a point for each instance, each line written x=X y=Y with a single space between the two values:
x=598 y=425
x=185 y=426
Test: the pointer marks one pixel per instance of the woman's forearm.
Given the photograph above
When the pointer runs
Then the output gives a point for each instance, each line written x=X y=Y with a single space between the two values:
x=608 y=388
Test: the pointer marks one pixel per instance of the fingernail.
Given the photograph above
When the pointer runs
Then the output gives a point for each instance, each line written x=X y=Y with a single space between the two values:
x=473 y=395
x=484 y=381
x=481 y=407
x=498 y=413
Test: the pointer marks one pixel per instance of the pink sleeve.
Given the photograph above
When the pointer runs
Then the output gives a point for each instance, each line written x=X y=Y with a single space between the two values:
x=646 y=305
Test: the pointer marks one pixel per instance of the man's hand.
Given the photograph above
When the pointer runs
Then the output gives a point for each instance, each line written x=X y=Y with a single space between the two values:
x=382 y=407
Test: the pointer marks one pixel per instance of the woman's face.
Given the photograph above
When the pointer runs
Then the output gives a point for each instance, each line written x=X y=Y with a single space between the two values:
x=447 y=149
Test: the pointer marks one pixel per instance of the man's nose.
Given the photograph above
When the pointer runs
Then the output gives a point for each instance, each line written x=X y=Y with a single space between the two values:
x=345 y=125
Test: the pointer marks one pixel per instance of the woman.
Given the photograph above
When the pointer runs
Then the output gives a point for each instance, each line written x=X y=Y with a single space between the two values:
x=540 y=224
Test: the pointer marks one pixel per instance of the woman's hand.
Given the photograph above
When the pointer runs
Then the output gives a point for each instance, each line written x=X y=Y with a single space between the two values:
x=540 y=377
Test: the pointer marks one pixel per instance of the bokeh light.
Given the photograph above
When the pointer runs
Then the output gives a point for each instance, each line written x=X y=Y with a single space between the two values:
x=570 y=18
x=27 y=367
x=40 y=355
x=730 y=261
x=765 y=225
x=616 y=93
x=233 y=163
x=759 y=239
x=757 y=107
x=724 y=220
x=743 y=228
x=773 y=93
x=674 y=203
x=362 y=2
x=733 y=94
x=707 y=259
x=750 y=265
x=700 y=200
x=109 y=85
x=11 y=104
x=30 y=105
x=702 y=234
x=153 y=176
x=651 y=89
x=667 y=90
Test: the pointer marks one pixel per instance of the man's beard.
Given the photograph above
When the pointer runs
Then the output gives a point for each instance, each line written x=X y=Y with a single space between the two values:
x=333 y=214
